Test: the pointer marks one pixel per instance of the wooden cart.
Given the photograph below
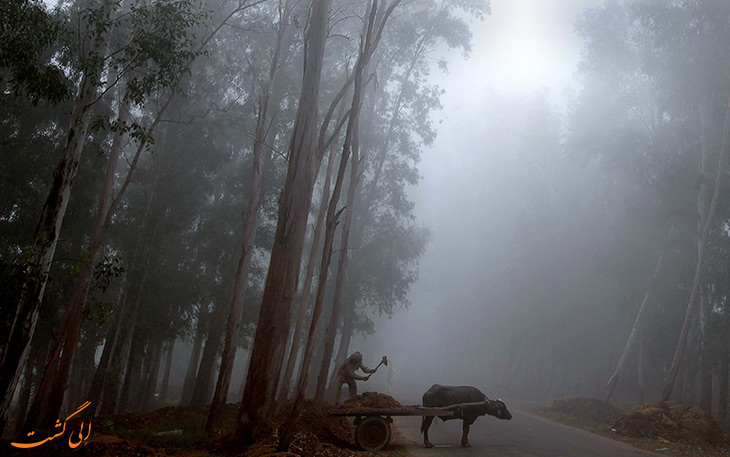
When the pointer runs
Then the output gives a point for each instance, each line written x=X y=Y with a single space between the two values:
x=372 y=425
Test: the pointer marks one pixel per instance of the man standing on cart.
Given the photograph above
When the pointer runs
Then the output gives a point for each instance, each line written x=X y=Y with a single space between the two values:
x=346 y=375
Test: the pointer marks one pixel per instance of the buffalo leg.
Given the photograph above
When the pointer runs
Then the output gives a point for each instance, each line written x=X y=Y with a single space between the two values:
x=425 y=424
x=465 y=435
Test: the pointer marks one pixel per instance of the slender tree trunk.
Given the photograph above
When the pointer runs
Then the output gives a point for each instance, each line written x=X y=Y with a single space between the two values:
x=242 y=386
x=349 y=147
x=351 y=141
x=29 y=378
x=82 y=285
x=15 y=347
x=703 y=302
x=40 y=398
x=192 y=371
x=331 y=224
x=106 y=209
x=722 y=390
x=110 y=377
x=129 y=361
x=81 y=374
x=634 y=336
x=74 y=310
x=165 y=387
x=280 y=288
x=706 y=365
x=317 y=354
x=682 y=343
x=309 y=275
x=114 y=400
x=370 y=40
x=132 y=374
x=132 y=291
x=202 y=390
x=149 y=387
x=641 y=388
x=348 y=321
x=250 y=225
x=102 y=370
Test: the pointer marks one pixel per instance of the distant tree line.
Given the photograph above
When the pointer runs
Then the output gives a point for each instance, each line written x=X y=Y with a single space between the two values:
x=616 y=285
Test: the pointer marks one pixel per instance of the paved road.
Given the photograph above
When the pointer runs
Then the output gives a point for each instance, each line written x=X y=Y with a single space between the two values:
x=525 y=435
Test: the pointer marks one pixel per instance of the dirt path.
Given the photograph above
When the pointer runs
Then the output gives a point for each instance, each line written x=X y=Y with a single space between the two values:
x=525 y=435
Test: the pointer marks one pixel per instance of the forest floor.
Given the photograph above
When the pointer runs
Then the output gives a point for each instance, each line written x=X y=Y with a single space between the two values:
x=665 y=428
x=180 y=432
x=668 y=428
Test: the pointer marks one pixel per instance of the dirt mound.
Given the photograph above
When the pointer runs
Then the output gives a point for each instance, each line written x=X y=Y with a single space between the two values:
x=331 y=429
x=587 y=408
x=303 y=445
x=672 y=422
x=372 y=400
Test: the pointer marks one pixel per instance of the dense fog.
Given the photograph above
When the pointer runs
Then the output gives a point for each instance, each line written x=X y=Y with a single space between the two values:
x=529 y=197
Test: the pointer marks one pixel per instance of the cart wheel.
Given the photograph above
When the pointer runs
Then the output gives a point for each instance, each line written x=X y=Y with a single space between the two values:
x=373 y=433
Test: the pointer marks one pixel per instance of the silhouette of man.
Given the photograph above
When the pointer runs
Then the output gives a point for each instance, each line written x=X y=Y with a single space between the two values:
x=346 y=375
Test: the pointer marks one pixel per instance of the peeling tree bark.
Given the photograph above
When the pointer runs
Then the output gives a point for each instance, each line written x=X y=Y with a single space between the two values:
x=281 y=280
x=250 y=225
x=307 y=288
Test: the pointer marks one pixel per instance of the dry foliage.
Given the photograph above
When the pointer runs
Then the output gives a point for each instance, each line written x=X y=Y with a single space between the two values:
x=672 y=422
x=372 y=400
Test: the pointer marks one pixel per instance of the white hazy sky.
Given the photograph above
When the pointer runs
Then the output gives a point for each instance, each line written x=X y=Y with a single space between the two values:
x=524 y=46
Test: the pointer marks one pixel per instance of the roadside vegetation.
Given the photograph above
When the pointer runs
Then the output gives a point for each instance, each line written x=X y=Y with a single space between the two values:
x=665 y=427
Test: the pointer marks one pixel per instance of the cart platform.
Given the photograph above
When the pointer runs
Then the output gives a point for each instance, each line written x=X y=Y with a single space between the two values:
x=372 y=425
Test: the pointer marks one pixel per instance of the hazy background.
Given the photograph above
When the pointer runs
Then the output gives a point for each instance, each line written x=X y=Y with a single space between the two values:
x=523 y=47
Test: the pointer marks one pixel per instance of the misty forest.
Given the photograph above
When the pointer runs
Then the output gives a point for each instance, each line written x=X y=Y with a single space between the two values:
x=208 y=205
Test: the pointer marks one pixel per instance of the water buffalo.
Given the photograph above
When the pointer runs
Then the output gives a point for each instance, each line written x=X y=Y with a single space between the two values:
x=439 y=396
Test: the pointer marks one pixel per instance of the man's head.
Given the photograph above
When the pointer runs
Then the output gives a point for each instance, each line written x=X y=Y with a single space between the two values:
x=356 y=357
